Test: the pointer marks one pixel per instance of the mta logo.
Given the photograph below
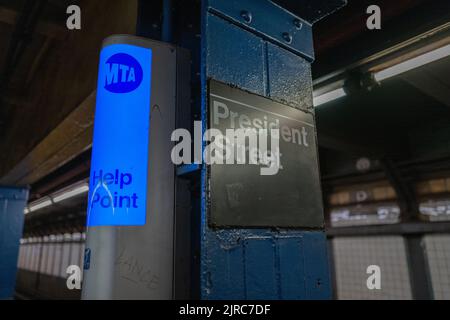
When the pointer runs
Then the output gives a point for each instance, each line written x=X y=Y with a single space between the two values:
x=123 y=73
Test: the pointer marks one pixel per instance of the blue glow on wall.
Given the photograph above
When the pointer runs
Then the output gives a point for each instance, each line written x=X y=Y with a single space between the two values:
x=118 y=179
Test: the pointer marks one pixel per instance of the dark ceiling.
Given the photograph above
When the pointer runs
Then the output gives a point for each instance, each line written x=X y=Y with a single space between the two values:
x=343 y=38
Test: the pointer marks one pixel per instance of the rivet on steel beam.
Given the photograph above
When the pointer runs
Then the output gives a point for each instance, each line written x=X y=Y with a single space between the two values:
x=298 y=24
x=246 y=15
x=287 y=37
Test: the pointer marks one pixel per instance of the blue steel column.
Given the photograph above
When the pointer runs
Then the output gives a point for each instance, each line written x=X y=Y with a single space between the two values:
x=259 y=47
x=12 y=204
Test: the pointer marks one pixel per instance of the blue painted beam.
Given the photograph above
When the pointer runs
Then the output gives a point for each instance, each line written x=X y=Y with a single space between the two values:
x=187 y=168
x=269 y=21
x=12 y=204
x=242 y=263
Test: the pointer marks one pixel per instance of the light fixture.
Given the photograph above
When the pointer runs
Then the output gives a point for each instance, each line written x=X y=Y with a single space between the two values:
x=60 y=195
x=329 y=96
x=413 y=63
x=70 y=192
x=39 y=204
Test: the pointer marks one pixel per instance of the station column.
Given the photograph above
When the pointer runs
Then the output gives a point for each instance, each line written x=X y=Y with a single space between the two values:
x=262 y=236
x=12 y=204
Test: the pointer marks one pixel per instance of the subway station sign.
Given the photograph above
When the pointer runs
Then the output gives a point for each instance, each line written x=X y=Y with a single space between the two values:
x=118 y=178
x=288 y=193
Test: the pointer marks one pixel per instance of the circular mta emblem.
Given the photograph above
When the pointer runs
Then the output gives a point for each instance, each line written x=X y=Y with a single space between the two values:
x=123 y=73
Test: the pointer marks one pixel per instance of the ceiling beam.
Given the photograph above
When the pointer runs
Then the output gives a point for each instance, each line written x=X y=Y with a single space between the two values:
x=415 y=25
x=69 y=139
x=405 y=194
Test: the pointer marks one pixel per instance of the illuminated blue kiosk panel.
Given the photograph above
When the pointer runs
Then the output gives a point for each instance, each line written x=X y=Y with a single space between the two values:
x=130 y=215
x=118 y=180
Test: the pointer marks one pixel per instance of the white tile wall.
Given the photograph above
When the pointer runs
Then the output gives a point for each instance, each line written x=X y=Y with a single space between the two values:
x=352 y=256
x=51 y=258
x=437 y=249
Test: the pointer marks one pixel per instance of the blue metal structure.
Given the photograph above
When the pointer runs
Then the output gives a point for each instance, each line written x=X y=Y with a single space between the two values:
x=12 y=204
x=262 y=48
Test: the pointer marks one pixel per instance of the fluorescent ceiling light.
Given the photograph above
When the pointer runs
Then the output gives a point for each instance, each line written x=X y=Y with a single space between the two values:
x=40 y=204
x=413 y=63
x=326 y=97
x=71 y=192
